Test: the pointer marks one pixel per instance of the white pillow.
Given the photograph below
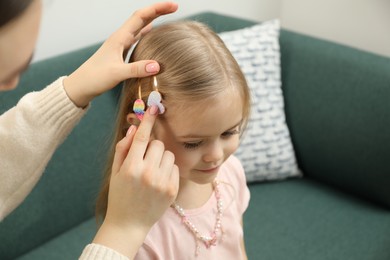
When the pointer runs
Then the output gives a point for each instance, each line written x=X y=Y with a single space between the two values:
x=266 y=150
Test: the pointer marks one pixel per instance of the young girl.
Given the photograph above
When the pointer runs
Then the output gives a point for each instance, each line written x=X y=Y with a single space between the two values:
x=206 y=101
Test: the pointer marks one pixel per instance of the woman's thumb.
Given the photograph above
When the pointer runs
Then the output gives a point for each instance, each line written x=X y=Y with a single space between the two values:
x=140 y=69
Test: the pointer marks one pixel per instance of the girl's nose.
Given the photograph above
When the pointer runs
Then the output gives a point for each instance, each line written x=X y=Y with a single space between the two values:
x=214 y=153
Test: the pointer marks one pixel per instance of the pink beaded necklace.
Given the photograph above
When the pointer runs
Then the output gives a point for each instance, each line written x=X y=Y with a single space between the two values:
x=208 y=240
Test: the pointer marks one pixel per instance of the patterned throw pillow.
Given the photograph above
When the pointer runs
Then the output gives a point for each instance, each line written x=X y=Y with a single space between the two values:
x=266 y=150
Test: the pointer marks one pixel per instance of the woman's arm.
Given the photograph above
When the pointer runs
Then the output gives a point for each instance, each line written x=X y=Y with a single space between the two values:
x=29 y=133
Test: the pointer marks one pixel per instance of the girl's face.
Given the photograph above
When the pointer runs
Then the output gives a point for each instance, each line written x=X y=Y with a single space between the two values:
x=17 y=42
x=202 y=135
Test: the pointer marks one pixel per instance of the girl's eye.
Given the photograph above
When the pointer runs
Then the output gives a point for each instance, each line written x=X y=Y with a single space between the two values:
x=191 y=145
x=230 y=133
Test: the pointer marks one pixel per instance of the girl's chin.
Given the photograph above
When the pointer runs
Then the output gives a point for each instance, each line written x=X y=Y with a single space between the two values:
x=201 y=178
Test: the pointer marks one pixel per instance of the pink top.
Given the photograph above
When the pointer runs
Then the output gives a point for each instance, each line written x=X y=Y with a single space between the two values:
x=170 y=239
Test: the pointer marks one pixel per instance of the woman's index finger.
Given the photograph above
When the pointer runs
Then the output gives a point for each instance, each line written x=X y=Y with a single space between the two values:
x=142 y=136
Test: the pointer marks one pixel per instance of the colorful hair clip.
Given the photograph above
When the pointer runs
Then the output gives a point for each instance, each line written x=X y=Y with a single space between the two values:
x=139 y=105
x=155 y=98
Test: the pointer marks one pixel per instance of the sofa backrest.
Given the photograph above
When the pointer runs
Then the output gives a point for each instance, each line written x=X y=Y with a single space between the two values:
x=65 y=195
x=337 y=102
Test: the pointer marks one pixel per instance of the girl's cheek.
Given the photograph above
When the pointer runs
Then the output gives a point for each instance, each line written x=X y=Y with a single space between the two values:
x=234 y=145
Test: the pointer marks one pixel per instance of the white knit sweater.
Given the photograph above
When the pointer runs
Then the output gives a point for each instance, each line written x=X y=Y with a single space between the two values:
x=30 y=132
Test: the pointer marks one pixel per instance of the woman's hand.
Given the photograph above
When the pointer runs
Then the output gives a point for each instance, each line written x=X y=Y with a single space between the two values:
x=144 y=183
x=107 y=67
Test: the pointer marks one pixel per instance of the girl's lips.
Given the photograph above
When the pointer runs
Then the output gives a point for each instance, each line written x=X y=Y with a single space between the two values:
x=210 y=170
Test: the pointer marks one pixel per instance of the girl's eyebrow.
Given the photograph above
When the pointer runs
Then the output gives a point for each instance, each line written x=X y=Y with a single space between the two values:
x=205 y=136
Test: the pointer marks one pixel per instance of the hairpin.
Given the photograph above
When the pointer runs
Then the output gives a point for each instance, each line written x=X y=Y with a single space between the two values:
x=155 y=98
x=139 y=105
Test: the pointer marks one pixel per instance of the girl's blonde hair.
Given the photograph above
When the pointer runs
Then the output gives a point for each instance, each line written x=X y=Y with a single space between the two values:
x=195 y=65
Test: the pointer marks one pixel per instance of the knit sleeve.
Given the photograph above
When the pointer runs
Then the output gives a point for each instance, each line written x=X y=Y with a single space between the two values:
x=146 y=252
x=30 y=132
x=99 y=252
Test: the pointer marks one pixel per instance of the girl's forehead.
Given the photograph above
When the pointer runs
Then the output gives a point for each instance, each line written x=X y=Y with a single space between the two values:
x=207 y=117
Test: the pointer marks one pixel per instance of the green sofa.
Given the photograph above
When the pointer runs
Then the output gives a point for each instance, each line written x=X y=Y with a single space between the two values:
x=337 y=104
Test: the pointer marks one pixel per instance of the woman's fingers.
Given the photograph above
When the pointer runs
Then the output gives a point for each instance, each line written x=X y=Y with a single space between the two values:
x=168 y=171
x=167 y=162
x=106 y=68
x=144 y=31
x=154 y=154
x=173 y=182
x=149 y=159
x=122 y=149
x=143 y=17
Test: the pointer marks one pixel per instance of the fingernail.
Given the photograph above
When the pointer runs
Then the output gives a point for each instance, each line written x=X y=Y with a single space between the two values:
x=153 y=110
x=152 y=67
x=131 y=128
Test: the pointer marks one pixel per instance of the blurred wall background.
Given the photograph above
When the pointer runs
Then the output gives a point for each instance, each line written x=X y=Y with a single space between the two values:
x=364 y=24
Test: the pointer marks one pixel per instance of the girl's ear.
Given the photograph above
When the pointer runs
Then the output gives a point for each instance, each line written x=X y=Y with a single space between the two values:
x=132 y=119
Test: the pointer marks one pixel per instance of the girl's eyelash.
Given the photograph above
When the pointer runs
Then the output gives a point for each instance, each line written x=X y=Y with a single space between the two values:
x=230 y=133
x=197 y=144
x=191 y=145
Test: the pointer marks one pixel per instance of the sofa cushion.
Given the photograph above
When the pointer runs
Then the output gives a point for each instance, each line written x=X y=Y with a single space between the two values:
x=305 y=220
x=68 y=245
x=265 y=151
